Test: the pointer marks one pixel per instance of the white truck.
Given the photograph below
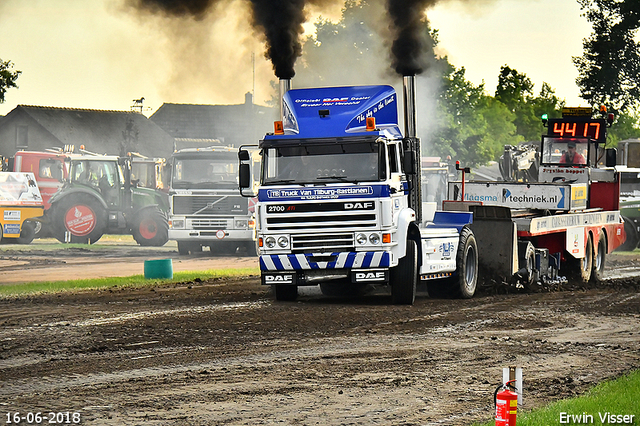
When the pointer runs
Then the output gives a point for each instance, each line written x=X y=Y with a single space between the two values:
x=340 y=205
x=206 y=208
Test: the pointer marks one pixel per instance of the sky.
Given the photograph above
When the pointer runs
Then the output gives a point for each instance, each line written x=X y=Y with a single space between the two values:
x=100 y=54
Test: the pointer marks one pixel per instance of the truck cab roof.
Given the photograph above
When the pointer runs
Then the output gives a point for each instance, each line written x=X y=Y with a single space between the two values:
x=337 y=112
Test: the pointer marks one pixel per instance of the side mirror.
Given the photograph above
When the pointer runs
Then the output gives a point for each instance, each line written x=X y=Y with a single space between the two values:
x=409 y=163
x=244 y=176
x=243 y=155
x=610 y=157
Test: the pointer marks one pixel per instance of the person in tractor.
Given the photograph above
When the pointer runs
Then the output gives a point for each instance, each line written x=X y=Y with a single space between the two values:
x=571 y=156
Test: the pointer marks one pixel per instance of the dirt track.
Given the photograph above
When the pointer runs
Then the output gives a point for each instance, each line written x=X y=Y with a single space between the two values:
x=223 y=352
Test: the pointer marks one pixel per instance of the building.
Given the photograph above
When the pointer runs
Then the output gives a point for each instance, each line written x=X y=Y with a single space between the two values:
x=37 y=128
x=206 y=125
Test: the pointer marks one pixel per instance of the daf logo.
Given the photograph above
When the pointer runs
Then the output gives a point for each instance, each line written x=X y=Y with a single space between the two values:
x=370 y=276
x=358 y=206
x=282 y=279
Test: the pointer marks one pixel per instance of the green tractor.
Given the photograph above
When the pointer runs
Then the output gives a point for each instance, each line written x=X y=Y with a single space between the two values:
x=99 y=198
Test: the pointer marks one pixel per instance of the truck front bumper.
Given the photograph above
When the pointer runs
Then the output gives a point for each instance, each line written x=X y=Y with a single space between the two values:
x=211 y=235
x=312 y=268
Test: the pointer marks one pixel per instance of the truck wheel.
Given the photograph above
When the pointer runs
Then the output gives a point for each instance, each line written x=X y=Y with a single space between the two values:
x=579 y=270
x=404 y=277
x=599 y=258
x=632 y=236
x=286 y=293
x=27 y=233
x=83 y=217
x=342 y=288
x=151 y=228
x=465 y=279
x=185 y=248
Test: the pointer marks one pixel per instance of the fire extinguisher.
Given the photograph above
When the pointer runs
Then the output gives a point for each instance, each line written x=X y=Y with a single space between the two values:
x=506 y=402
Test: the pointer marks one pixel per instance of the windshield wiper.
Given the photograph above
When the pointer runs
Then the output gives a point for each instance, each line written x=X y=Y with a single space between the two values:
x=340 y=178
x=280 y=181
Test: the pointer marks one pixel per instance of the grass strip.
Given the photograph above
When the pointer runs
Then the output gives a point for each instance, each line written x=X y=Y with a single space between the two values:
x=606 y=403
x=16 y=290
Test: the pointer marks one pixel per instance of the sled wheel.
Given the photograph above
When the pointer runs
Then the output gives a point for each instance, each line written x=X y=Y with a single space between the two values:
x=579 y=270
x=599 y=259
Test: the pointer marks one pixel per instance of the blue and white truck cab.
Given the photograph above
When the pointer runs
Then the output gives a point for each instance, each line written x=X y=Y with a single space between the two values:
x=339 y=200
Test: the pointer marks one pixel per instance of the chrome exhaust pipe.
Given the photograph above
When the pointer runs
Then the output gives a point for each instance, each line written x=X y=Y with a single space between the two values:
x=285 y=86
x=410 y=115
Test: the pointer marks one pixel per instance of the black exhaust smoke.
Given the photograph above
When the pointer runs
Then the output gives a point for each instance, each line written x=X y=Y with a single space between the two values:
x=411 y=42
x=281 y=22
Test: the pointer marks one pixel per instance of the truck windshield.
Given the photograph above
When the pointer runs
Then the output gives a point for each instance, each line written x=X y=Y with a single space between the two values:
x=205 y=172
x=331 y=163
x=565 y=151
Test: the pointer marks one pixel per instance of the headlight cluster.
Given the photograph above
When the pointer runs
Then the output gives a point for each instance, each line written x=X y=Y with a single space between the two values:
x=281 y=241
x=362 y=239
x=241 y=223
x=176 y=223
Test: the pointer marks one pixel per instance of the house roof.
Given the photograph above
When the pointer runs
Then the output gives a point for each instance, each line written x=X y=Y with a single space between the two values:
x=100 y=130
x=224 y=122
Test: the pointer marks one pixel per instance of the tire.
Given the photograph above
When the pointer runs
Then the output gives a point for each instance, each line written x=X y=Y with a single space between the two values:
x=342 y=288
x=465 y=280
x=92 y=216
x=632 y=236
x=150 y=228
x=404 y=277
x=599 y=259
x=185 y=248
x=527 y=262
x=27 y=233
x=579 y=270
x=285 y=293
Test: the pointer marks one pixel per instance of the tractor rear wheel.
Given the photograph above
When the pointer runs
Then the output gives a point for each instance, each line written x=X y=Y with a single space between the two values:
x=81 y=218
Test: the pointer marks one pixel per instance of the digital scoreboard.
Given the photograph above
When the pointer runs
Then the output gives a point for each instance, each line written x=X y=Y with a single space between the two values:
x=577 y=123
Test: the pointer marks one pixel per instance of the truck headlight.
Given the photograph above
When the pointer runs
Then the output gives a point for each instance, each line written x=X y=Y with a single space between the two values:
x=176 y=223
x=283 y=241
x=361 y=239
x=270 y=242
x=241 y=223
x=374 y=238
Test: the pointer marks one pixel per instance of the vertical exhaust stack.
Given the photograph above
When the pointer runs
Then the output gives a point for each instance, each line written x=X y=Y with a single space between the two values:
x=412 y=145
x=285 y=86
x=409 y=93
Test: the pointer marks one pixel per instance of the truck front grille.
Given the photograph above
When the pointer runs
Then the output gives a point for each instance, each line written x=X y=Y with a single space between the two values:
x=214 y=224
x=322 y=242
x=210 y=205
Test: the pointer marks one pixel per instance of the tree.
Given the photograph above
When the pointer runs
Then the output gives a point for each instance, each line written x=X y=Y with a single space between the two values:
x=8 y=78
x=609 y=69
x=473 y=126
x=515 y=91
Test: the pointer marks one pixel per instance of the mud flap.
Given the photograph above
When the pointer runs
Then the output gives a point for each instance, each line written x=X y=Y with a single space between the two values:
x=497 y=239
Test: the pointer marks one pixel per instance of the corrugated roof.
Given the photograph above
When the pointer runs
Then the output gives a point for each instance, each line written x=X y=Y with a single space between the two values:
x=194 y=121
x=100 y=128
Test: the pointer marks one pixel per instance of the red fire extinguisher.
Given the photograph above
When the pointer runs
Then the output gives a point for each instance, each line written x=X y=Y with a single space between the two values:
x=506 y=402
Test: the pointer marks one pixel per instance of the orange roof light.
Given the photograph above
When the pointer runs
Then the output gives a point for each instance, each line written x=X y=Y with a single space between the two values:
x=371 y=124
x=278 y=128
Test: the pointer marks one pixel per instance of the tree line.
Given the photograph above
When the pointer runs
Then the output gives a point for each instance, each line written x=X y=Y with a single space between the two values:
x=465 y=122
